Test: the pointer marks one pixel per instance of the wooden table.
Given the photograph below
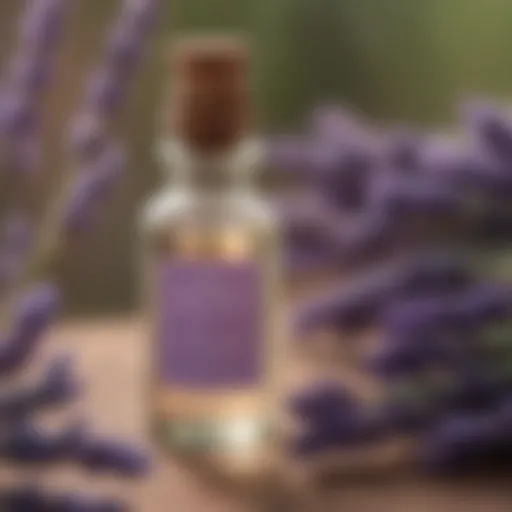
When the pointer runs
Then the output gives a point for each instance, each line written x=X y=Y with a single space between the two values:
x=109 y=358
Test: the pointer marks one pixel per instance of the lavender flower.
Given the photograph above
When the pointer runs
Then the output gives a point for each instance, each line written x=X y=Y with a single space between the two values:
x=333 y=419
x=104 y=92
x=106 y=87
x=466 y=442
x=30 y=498
x=123 y=50
x=87 y=136
x=42 y=23
x=404 y=152
x=32 y=315
x=323 y=401
x=28 y=73
x=26 y=443
x=401 y=359
x=491 y=128
x=27 y=76
x=56 y=388
x=17 y=115
x=140 y=15
x=348 y=308
x=114 y=456
x=92 y=186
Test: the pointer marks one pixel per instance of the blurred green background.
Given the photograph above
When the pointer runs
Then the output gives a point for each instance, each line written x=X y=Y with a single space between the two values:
x=407 y=60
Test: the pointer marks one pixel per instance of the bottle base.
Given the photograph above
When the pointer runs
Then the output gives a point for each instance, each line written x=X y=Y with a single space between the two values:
x=239 y=457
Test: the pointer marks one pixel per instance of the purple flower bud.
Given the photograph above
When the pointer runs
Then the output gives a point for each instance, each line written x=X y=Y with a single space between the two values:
x=37 y=308
x=123 y=50
x=492 y=127
x=17 y=115
x=87 y=136
x=30 y=498
x=345 y=310
x=404 y=152
x=42 y=23
x=486 y=303
x=58 y=385
x=104 y=92
x=56 y=388
x=28 y=73
x=323 y=401
x=92 y=186
x=139 y=15
x=32 y=315
x=464 y=442
x=114 y=455
x=400 y=359
x=27 y=443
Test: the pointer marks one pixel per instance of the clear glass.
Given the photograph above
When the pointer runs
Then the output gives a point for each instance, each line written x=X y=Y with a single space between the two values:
x=209 y=212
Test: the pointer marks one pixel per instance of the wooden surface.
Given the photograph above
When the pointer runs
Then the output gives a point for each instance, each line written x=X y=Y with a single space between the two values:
x=109 y=357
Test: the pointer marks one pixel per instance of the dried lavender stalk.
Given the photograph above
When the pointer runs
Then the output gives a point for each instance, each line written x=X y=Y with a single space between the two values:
x=89 y=144
x=99 y=163
x=27 y=77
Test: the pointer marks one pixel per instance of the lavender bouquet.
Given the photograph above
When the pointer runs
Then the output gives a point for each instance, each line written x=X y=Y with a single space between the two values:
x=29 y=248
x=426 y=219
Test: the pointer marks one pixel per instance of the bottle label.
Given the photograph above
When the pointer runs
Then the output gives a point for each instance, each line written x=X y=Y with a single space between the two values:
x=209 y=325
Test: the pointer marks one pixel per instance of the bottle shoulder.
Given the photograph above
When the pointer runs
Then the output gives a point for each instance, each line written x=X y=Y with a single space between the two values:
x=175 y=205
x=162 y=206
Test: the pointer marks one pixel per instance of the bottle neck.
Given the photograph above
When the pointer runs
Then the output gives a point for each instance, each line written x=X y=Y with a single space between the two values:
x=226 y=172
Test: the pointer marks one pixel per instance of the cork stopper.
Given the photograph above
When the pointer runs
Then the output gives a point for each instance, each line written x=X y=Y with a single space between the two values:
x=209 y=107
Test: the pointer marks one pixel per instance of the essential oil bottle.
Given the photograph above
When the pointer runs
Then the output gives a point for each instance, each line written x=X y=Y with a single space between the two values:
x=212 y=285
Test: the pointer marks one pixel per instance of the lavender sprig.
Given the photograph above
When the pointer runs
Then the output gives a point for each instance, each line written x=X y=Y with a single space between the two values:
x=30 y=498
x=27 y=76
x=31 y=316
x=106 y=87
x=112 y=455
x=28 y=71
x=42 y=24
x=89 y=146
x=93 y=185
x=100 y=163
x=333 y=418
x=57 y=387
x=87 y=136
x=26 y=443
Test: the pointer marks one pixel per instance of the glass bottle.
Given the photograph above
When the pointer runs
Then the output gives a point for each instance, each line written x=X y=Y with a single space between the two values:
x=212 y=289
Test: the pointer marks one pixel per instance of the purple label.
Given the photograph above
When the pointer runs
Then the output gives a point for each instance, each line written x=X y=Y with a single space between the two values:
x=209 y=324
